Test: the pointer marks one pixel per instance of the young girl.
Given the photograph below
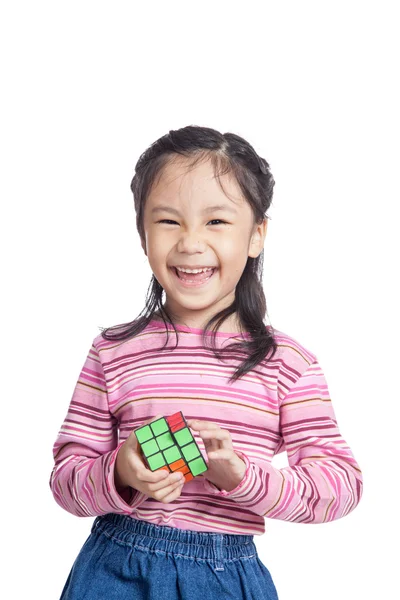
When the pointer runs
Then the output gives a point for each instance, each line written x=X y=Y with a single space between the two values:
x=248 y=392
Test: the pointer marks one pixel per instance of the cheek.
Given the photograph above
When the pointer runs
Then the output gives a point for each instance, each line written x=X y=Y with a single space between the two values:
x=157 y=243
x=233 y=250
x=234 y=256
x=155 y=256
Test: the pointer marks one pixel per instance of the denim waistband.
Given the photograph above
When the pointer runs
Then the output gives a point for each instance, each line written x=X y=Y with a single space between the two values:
x=214 y=547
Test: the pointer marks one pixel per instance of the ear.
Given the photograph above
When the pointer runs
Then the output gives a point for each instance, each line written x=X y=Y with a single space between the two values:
x=257 y=239
x=143 y=243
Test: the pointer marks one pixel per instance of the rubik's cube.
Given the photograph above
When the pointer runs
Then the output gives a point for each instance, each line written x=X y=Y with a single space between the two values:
x=169 y=444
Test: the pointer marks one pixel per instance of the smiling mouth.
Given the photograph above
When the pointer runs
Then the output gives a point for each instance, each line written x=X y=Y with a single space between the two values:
x=193 y=279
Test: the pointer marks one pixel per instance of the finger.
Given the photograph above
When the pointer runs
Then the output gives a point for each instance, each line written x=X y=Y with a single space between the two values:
x=207 y=429
x=210 y=431
x=223 y=454
x=210 y=444
x=147 y=476
x=173 y=495
x=160 y=495
x=215 y=434
x=216 y=438
x=197 y=424
x=171 y=480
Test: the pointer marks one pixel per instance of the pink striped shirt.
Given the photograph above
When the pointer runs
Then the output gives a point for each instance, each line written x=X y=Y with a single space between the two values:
x=283 y=404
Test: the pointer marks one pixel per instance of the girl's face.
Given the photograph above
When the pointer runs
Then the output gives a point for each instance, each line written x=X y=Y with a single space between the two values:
x=189 y=222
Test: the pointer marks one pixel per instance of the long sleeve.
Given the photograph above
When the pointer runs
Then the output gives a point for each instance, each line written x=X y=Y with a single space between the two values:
x=82 y=480
x=323 y=481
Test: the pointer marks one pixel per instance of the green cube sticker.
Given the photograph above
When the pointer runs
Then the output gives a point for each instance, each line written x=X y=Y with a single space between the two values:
x=143 y=434
x=190 y=451
x=156 y=461
x=165 y=440
x=183 y=436
x=160 y=426
x=150 y=447
x=161 y=446
x=172 y=454
x=197 y=466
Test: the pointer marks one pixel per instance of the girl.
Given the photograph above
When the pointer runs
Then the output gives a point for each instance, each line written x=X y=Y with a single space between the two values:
x=247 y=390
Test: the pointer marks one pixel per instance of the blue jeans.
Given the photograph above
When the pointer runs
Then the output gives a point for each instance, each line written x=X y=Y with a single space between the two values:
x=124 y=558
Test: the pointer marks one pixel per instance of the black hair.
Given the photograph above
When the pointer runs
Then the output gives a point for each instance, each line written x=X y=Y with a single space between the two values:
x=228 y=153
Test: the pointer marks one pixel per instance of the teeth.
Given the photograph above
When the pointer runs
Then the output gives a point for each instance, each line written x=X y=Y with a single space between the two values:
x=195 y=270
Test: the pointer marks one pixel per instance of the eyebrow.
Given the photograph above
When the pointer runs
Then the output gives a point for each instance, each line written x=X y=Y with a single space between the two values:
x=207 y=210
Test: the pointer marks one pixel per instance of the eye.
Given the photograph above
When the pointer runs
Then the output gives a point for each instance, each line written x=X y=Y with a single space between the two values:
x=212 y=221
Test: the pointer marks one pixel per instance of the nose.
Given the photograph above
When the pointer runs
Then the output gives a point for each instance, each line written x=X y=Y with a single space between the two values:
x=191 y=241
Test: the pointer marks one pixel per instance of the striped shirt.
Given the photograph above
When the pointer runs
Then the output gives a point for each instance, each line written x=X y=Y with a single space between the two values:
x=283 y=404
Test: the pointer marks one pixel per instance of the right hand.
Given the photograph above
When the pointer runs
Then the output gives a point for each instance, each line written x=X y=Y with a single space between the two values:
x=131 y=471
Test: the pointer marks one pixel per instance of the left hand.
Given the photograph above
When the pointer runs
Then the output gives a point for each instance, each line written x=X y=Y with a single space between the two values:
x=225 y=469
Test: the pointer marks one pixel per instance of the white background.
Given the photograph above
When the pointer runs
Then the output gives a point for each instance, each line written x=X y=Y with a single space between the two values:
x=86 y=87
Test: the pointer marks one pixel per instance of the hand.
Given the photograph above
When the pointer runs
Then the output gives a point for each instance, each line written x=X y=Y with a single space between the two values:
x=225 y=469
x=130 y=470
